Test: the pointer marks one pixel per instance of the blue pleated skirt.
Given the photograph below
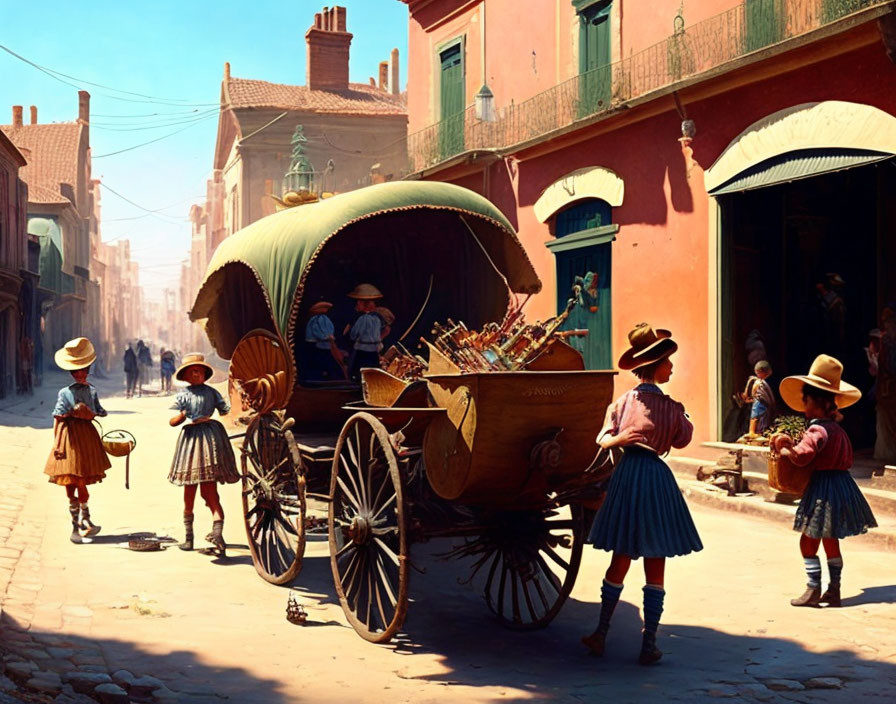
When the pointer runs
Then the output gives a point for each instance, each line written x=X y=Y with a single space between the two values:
x=833 y=507
x=644 y=514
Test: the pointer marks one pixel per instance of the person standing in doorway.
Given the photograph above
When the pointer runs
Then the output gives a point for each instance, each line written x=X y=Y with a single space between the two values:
x=832 y=506
x=644 y=514
x=885 y=388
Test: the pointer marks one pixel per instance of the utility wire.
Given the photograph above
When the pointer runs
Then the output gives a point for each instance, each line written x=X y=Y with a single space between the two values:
x=159 y=125
x=174 y=102
x=152 y=141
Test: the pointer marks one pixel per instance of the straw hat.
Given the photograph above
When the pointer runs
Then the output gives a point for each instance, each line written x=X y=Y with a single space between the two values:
x=193 y=360
x=647 y=346
x=387 y=315
x=320 y=308
x=76 y=354
x=366 y=292
x=824 y=374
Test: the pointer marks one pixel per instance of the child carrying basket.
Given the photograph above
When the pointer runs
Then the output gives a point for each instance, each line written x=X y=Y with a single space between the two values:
x=832 y=506
x=77 y=458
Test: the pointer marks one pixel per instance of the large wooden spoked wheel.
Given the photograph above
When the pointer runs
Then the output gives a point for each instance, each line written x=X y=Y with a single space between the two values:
x=368 y=542
x=531 y=562
x=273 y=499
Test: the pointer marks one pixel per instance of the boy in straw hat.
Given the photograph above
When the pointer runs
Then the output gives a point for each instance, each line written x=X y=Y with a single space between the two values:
x=644 y=514
x=326 y=360
x=78 y=458
x=367 y=332
x=832 y=506
x=203 y=455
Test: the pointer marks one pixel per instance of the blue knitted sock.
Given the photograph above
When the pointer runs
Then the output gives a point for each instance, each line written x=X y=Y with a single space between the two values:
x=835 y=568
x=813 y=570
x=653 y=607
x=609 y=597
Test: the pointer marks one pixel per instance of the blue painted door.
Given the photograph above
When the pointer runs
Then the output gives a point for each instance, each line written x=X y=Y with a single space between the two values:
x=592 y=264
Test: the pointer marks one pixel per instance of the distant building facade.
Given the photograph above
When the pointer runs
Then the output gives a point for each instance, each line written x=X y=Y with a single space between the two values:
x=16 y=284
x=61 y=215
x=353 y=130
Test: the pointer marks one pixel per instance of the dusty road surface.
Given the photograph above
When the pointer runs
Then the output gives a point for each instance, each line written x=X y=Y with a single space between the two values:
x=211 y=630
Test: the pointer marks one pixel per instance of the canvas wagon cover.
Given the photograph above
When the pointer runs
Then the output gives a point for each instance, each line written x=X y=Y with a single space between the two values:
x=278 y=249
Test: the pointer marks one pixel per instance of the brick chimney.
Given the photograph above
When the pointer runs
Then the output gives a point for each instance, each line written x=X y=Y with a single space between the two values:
x=16 y=115
x=327 y=51
x=33 y=114
x=84 y=107
x=384 y=75
x=393 y=73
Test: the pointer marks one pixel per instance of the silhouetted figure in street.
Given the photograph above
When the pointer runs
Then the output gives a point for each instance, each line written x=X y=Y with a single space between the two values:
x=131 y=370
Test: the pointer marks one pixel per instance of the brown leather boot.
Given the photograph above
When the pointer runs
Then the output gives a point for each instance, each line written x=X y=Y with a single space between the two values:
x=831 y=597
x=650 y=654
x=810 y=597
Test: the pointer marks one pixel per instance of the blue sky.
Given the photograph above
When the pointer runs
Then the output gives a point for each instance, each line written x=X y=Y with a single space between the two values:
x=175 y=53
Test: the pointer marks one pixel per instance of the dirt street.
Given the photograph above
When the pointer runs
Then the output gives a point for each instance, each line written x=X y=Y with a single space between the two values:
x=211 y=630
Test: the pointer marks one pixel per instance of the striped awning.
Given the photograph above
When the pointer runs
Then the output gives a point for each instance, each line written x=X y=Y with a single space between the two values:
x=796 y=165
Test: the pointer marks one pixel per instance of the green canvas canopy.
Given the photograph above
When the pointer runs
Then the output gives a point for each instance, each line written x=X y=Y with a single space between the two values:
x=431 y=248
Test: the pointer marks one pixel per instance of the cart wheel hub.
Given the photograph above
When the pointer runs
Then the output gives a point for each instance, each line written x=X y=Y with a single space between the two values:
x=359 y=530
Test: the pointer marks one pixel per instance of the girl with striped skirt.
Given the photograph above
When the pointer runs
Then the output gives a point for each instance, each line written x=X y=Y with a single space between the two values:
x=203 y=455
x=644 y=514
x=832 y=506
x=78 y=458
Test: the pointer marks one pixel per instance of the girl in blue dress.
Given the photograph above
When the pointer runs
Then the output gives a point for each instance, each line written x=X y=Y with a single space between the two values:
x=203 y=455
x=644 y=514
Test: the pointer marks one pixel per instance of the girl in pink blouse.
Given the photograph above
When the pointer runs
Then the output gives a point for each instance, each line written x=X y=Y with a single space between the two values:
x=644 y=514
x=832 y=506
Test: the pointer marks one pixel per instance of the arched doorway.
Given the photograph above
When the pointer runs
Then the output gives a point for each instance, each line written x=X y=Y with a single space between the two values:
x=805 y=226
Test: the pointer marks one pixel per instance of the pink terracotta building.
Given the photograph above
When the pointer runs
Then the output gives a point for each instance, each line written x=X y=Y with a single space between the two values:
x=712 y=164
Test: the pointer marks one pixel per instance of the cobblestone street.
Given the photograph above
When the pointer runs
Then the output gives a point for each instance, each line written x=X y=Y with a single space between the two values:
x=117 y=625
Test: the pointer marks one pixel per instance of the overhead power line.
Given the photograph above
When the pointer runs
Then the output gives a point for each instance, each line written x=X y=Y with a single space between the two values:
x=59 y=76
x=157 y=139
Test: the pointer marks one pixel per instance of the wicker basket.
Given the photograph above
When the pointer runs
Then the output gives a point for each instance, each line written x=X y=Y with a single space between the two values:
x=119 y=443
x=785 y=476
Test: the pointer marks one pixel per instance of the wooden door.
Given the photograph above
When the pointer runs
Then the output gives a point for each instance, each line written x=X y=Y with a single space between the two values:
x=451 y=130
x=595 y=82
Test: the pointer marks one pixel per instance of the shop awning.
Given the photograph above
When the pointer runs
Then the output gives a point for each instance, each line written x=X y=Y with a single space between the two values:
x=795 y=165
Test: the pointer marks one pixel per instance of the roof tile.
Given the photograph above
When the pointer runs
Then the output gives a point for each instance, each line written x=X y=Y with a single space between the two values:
x=358 y=99
x=53 y=157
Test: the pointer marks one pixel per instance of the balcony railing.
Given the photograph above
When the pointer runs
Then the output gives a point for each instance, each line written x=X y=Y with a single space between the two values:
x=689 y=52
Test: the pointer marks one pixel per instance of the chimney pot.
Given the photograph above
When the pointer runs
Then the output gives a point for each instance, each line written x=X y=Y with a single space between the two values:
x=327 y=51
x=16 y=115
x=393 y=73
x=33 y=114
x=383 y=74
x=84 y=107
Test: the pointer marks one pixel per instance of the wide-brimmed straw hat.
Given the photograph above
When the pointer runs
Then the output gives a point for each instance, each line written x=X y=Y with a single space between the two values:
x=365 y=292
x=647 y=346
x=76 y=354
x=320 y=307
x=193 y=360
x=825 y=374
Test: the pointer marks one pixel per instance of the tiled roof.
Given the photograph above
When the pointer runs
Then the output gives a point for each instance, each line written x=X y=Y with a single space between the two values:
x=358 y=99
x=44 y=195
x=53 y=157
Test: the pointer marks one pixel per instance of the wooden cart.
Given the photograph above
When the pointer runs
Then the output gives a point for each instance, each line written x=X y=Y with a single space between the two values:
x=498 y=459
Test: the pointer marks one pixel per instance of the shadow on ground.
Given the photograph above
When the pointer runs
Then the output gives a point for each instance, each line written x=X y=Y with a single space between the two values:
x=205 y=683
x=451 y=621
